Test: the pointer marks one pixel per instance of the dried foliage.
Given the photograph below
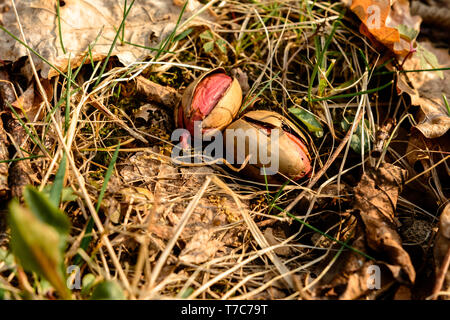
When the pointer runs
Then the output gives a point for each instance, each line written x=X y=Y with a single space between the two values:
x=95 y=140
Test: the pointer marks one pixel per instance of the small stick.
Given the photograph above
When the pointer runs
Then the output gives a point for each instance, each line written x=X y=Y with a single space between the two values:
x=382 y=135
x=157 y=93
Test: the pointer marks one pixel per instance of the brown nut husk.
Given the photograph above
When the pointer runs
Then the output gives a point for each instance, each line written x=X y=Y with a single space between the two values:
x=294 y=160
x=212 y=118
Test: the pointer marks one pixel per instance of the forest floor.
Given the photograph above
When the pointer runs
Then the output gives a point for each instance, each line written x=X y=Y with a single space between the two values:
x=113 y=215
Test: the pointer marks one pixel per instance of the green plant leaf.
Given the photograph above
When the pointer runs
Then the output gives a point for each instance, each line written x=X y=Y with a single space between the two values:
x=222 y=45
x=206 y=36
x=183 y=35
x=67 y=194
x=87 y=283
x=428 y=59
x=6 y=257
x=356 y=139
x=46 y=211
x=309 y=120
x=107 y=290
x=407 y=32
x=186 y=293
x=58 y=184
x=37 y=246
x=208 y=46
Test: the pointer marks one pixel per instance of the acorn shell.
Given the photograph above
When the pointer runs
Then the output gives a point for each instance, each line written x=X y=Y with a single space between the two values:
x=294 y=163
x=221 y=115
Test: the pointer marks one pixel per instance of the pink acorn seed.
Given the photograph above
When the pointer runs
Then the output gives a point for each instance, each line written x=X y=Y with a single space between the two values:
x=304 y=154
x=206 y=96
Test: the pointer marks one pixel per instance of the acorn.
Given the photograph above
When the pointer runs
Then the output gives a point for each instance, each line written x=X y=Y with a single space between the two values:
x=271 y=145
x=212 y=100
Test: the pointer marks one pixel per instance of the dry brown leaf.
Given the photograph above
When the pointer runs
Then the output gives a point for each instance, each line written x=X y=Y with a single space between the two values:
x=442 y=246
x=351 y=276
x=19 y=173
x=391 y=23
x=272 y=240
x=369 y=11
x=400 y=17
x=201 y=248
x=29 y=102
x=6 y=95
x=168 y=191
x=143 y=113
x=157 y=93
x=376 y=199
x=403 y=293
x=381 y=22
x=148 y=23
x=242 y=78
x=427 y=152
x=426 y=90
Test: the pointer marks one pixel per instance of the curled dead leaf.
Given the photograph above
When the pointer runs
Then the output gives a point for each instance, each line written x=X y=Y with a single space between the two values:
x=422 y=153
x=29 y=103
x=272 y=240
x=355 y=275
x=387 y=22
x=376 y=198
x=426 y=90
x=442 y=248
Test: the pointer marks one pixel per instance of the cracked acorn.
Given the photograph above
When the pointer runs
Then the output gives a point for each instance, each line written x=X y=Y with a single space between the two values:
x=213 y=100
x=293 y=155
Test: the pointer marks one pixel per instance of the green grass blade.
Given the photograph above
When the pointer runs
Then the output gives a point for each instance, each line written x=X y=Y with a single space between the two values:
x=20 y=159
x=169 y=39
x=105 y=63
x=90 y=225
x=277 y=195
x=58 y=184
x=28 y=132
x=68 y=89
x=320 y=57
x=144 y=47
x=123 y=29
x=59 y=27
x=259 y=93
x=107 y=177
x=446 y=104
x=349 y=95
